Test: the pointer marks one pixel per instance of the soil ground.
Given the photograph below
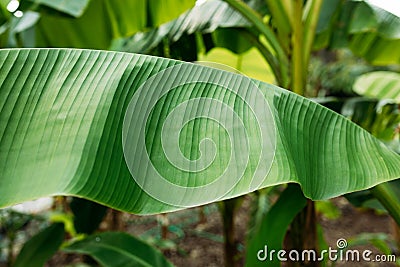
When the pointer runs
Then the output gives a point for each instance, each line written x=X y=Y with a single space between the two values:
x=200 y=244
x=195 y=242
x=193 y=237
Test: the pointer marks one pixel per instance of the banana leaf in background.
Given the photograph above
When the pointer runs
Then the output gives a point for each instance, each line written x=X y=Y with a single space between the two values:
x=37 y=250
x=91 y=24
x=380 y=85
x=370 y=31
x=204 y=18
x=119 y=249
x=108 y=249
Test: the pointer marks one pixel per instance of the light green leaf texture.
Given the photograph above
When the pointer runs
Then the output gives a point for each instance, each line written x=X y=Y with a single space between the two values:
x=72 y=7
x=379 y=84
x=147 y=135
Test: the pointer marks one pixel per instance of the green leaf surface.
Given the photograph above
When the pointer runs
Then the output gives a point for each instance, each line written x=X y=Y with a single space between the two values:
x=71 y=7
x=379 y=84
x=327 y=15
x=322 y=245
x=148 y=135
x=378 y=240
x=27 y=21
x=388 y=195
x=231 y=39
x=327 y=209
x=380 y=118
x=281 y=11
x=375 y=49
x=369 y=31
x=3 y=4
x=250 y=63
x=386 y=24
x=163 y=11
x=115 y=249
x=292 y=202
x=17 y=30
x=37 y=250
x=375 y=34
x=205 y=18
x=231 y=27
x=105 y=20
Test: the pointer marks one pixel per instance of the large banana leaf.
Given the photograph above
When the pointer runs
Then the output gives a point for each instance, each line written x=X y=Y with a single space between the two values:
x=146 y=134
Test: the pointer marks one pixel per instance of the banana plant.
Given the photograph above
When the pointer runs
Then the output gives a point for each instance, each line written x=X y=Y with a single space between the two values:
x=384 y=85
x=73 y=123
x=98 y=125
x=289 y=138
x=291 y=35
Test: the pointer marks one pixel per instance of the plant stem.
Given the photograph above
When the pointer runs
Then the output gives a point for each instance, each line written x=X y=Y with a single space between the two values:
x=389 y=199
x=303 y=234
x=10 y=255
x=228 y=209
x=202 y=216
x=396 y=233
x=164 y=222
x=311 y=16
x=263 y=29
x=281 y=78
x=304 y=227
x=258 y=23
x=239 y=62
x=297 y=64
x=116 y=220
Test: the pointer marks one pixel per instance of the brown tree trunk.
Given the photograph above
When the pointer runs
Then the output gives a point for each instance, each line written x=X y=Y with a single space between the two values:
x=396 y=233
x=164 y=223
x=303 y=235
x=228 y=208
x=116 y=223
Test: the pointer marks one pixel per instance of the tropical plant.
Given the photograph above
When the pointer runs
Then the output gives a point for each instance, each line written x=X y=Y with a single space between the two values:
x=292 y=31
x=288 y=140
x=63 y=112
